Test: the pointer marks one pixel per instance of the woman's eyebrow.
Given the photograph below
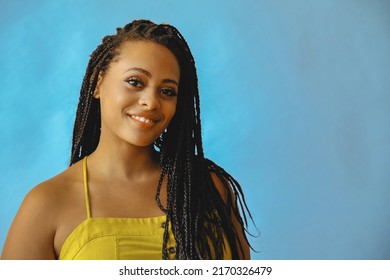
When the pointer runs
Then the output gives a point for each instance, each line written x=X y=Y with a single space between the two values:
x=139 y=70
x=170 y=81
x=147 y=73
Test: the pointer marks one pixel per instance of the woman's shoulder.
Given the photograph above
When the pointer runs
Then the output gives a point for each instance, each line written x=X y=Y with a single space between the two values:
x=220 y=178
x=54 y=192
x=43 y=209
x=230 y=190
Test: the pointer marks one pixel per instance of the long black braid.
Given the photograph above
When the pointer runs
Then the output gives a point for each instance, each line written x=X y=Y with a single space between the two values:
x=199 y=217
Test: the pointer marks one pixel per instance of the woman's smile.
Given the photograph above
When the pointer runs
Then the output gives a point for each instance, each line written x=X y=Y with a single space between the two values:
x=142 y=121
x=138 y=94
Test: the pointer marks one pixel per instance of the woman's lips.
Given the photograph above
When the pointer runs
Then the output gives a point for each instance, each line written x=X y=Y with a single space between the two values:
x=143 y=120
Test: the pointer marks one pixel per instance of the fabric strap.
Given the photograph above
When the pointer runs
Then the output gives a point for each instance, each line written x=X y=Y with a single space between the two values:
x=88 y=205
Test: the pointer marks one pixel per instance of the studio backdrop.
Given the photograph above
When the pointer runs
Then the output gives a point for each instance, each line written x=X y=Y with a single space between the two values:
x=295 y=104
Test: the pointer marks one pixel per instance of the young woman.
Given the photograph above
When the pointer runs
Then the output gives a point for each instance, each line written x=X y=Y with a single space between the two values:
x=138 y=185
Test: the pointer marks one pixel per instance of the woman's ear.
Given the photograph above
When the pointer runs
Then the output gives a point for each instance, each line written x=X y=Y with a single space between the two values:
x=96 y=93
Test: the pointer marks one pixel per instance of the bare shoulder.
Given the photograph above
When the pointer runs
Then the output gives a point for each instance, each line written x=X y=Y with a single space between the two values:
x=226 y=191
x=50 y=195
x=218 y=175
x=33 y=230
x=220 y=184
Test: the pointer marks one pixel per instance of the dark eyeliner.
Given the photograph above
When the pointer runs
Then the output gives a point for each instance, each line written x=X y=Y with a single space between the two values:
x=134 y=79
x=172 y=92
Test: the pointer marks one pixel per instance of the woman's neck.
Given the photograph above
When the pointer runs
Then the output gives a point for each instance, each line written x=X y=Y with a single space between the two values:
x=124 y=161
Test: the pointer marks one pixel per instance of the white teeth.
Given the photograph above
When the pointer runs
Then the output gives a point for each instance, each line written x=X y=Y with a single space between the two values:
x=142 y=119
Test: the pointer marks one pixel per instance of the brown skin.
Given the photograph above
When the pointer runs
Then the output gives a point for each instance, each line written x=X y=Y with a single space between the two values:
x=123 y=171
x=236 y=224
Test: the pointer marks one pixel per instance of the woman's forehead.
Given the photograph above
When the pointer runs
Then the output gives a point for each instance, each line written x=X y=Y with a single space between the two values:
x=146 y=55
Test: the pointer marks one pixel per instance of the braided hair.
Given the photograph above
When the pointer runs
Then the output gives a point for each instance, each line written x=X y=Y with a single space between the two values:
x=199 y=217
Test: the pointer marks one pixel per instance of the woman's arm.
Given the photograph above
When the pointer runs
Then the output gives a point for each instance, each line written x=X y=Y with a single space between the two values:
x=241 y=238
x=32 y=232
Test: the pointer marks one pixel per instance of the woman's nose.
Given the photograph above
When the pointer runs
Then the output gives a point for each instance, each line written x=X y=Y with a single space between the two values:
x=149 y=99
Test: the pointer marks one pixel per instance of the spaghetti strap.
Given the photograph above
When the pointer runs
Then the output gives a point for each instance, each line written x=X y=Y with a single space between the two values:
x=88 y=205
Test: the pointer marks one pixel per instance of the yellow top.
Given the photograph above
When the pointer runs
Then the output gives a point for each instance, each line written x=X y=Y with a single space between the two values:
x=116 y=238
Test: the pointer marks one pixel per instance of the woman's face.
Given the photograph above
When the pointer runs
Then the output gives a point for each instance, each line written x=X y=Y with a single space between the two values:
x=138 y=93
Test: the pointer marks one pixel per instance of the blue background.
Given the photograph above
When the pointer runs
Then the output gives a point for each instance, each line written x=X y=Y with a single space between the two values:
x=294 y=97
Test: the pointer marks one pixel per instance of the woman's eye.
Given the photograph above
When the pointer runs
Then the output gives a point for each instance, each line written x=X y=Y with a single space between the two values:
x=134 y=82
x=168 y=92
